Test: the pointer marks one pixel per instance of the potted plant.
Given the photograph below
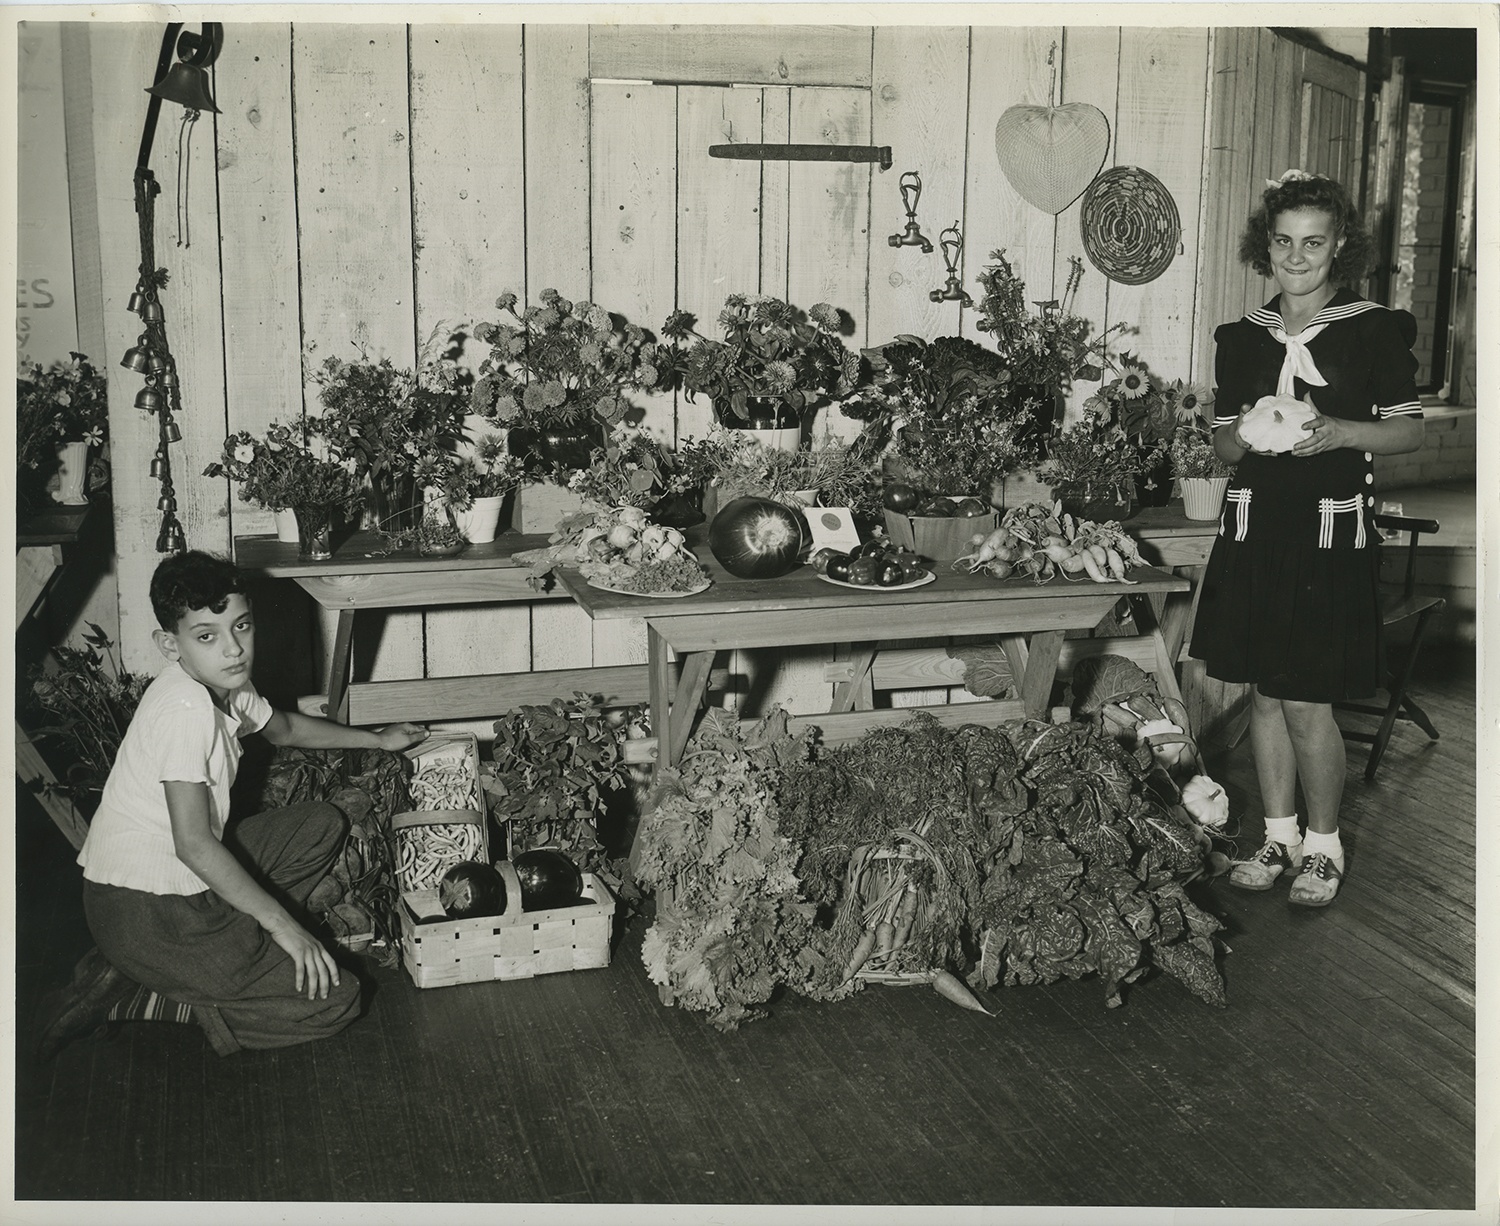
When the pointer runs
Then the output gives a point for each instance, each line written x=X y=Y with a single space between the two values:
x=280 y=472
x=734 y=464
x=1044 y=352
x=774 y=363
x=62 y=416
x=1091 y=468
x=1149 y=411
x=559 y=376
x=86 y=701
x=1201 y=474
x=386 y=419
x=474 y=486
x=940 y=415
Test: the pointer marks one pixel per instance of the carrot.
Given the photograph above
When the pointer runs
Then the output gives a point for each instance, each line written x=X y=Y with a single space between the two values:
x=905 y=918
x=949 y=986
x=885 y=938
x=860 y=955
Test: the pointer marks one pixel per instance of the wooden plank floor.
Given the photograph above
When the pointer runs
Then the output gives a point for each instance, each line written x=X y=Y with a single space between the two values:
x=1341 y=1074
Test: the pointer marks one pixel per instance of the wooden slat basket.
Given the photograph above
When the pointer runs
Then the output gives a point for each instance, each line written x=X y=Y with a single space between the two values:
x=517 y=944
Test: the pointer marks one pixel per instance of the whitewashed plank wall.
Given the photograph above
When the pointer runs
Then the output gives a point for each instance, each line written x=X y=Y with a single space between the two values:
x=366 y=183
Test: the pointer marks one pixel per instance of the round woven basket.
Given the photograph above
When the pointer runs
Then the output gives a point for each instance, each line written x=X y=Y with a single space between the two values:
x=1131 y=229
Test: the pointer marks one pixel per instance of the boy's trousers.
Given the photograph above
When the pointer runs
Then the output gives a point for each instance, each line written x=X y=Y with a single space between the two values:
x=198 y=949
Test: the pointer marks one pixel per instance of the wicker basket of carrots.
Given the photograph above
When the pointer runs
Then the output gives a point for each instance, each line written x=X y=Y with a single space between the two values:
x=892 y=898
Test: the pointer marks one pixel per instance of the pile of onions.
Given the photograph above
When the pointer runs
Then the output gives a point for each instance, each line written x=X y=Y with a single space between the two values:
x=756 y=538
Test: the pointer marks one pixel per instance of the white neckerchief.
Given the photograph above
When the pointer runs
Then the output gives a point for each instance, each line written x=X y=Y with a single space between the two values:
x=1298 y=363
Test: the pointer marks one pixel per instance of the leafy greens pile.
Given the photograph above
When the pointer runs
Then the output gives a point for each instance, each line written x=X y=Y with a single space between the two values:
x=1045 y=853
x=730 y=924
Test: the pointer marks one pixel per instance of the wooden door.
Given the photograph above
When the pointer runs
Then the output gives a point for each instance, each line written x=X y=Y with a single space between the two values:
x=672 y=228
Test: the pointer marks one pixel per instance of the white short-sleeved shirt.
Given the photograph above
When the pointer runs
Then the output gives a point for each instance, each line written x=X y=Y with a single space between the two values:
x=177 y=734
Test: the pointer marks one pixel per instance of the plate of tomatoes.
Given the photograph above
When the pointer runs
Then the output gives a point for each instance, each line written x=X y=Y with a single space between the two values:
x=875 y=564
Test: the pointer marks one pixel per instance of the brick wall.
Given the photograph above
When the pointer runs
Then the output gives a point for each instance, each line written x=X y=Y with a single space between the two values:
x=1448 y=453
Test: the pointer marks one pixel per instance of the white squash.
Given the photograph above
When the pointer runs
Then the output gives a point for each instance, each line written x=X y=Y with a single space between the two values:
x=1206 y=801
x=1274 y=423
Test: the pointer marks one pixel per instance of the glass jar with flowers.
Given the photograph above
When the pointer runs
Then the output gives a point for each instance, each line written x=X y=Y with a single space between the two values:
x=385 y=419
x=559 y=376
x=62 y=422
x=280 y=472
x=774 y=363
x=941 y=416
x=1091 y=467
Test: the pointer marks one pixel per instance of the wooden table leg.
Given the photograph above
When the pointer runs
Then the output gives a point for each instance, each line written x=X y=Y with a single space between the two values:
x=1040 y=671
x=338 y=667
x=692 y=687
x=858 y=693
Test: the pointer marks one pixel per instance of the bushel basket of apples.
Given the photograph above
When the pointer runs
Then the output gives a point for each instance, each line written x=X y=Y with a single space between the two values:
x=936 y=527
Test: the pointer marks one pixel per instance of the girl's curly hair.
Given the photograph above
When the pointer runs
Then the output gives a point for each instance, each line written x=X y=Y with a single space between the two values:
x=1325 y=196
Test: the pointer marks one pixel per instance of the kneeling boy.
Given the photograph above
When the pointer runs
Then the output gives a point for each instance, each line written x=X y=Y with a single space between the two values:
x=197 y=913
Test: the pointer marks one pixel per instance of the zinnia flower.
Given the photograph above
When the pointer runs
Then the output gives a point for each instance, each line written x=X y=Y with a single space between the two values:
x=780 y=376
x=1134 y=381
x=506 y=301
x=824 y=314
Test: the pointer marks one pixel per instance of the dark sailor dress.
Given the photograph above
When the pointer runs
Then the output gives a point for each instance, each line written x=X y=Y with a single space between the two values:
x=1290 y=600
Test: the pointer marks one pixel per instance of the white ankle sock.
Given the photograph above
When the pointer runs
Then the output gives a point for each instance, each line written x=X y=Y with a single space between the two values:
x=1329 y=845
x=1284 y=830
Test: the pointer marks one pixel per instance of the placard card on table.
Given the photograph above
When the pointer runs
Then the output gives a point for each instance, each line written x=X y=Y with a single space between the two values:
x=832 y=528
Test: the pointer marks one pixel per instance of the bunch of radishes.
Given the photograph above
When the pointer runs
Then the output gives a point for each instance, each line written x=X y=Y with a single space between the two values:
x=1039 y=541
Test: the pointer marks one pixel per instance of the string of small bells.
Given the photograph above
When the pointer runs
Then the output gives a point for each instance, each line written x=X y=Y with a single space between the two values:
x=151 y=356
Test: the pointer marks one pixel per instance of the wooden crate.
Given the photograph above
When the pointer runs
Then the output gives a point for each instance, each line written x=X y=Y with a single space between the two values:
x=518 y=944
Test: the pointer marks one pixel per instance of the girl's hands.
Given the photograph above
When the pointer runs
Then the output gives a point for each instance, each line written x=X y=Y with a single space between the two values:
x=1323 y=434
x=396 y=737
x=1240 y=442
x=314 y=964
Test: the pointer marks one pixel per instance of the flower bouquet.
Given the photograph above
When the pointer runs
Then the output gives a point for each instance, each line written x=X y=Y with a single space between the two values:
x=1150 y=411
x=559 y=375
x=473 y=486
x=774 y=361
x=62 y=413
x=1092 y=467
x=386 y=419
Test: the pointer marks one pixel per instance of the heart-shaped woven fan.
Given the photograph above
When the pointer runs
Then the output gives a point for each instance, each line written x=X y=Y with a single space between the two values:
x=1051 y=153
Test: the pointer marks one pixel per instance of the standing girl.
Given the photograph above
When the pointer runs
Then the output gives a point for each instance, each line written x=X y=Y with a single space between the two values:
x=1290 y=603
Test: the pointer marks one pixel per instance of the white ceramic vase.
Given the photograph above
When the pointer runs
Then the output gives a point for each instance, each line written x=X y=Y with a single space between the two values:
x=1203 y=496
x=286 y=525
x=479 y=522
x=72 y=474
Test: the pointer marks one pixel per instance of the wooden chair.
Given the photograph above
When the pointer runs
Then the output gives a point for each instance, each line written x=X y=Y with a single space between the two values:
x=1397 y=606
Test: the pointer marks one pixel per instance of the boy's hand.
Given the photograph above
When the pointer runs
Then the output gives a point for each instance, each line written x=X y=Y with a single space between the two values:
x=396 y=737
x=315 y=965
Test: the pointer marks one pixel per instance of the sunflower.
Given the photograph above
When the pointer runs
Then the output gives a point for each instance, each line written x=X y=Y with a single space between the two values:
x=1134 y=381
x=1194 y=400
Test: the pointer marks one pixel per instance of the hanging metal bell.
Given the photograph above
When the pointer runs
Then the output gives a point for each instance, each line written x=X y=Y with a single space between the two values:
x=137 y=358
x=137 y=301
x=156 y=362
x=174 y=435
x=166 y=503
x=156 y=465
x=167 y=377
x=187 y=85
x=175 y=539
x=149 y=399
x=152 y=313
